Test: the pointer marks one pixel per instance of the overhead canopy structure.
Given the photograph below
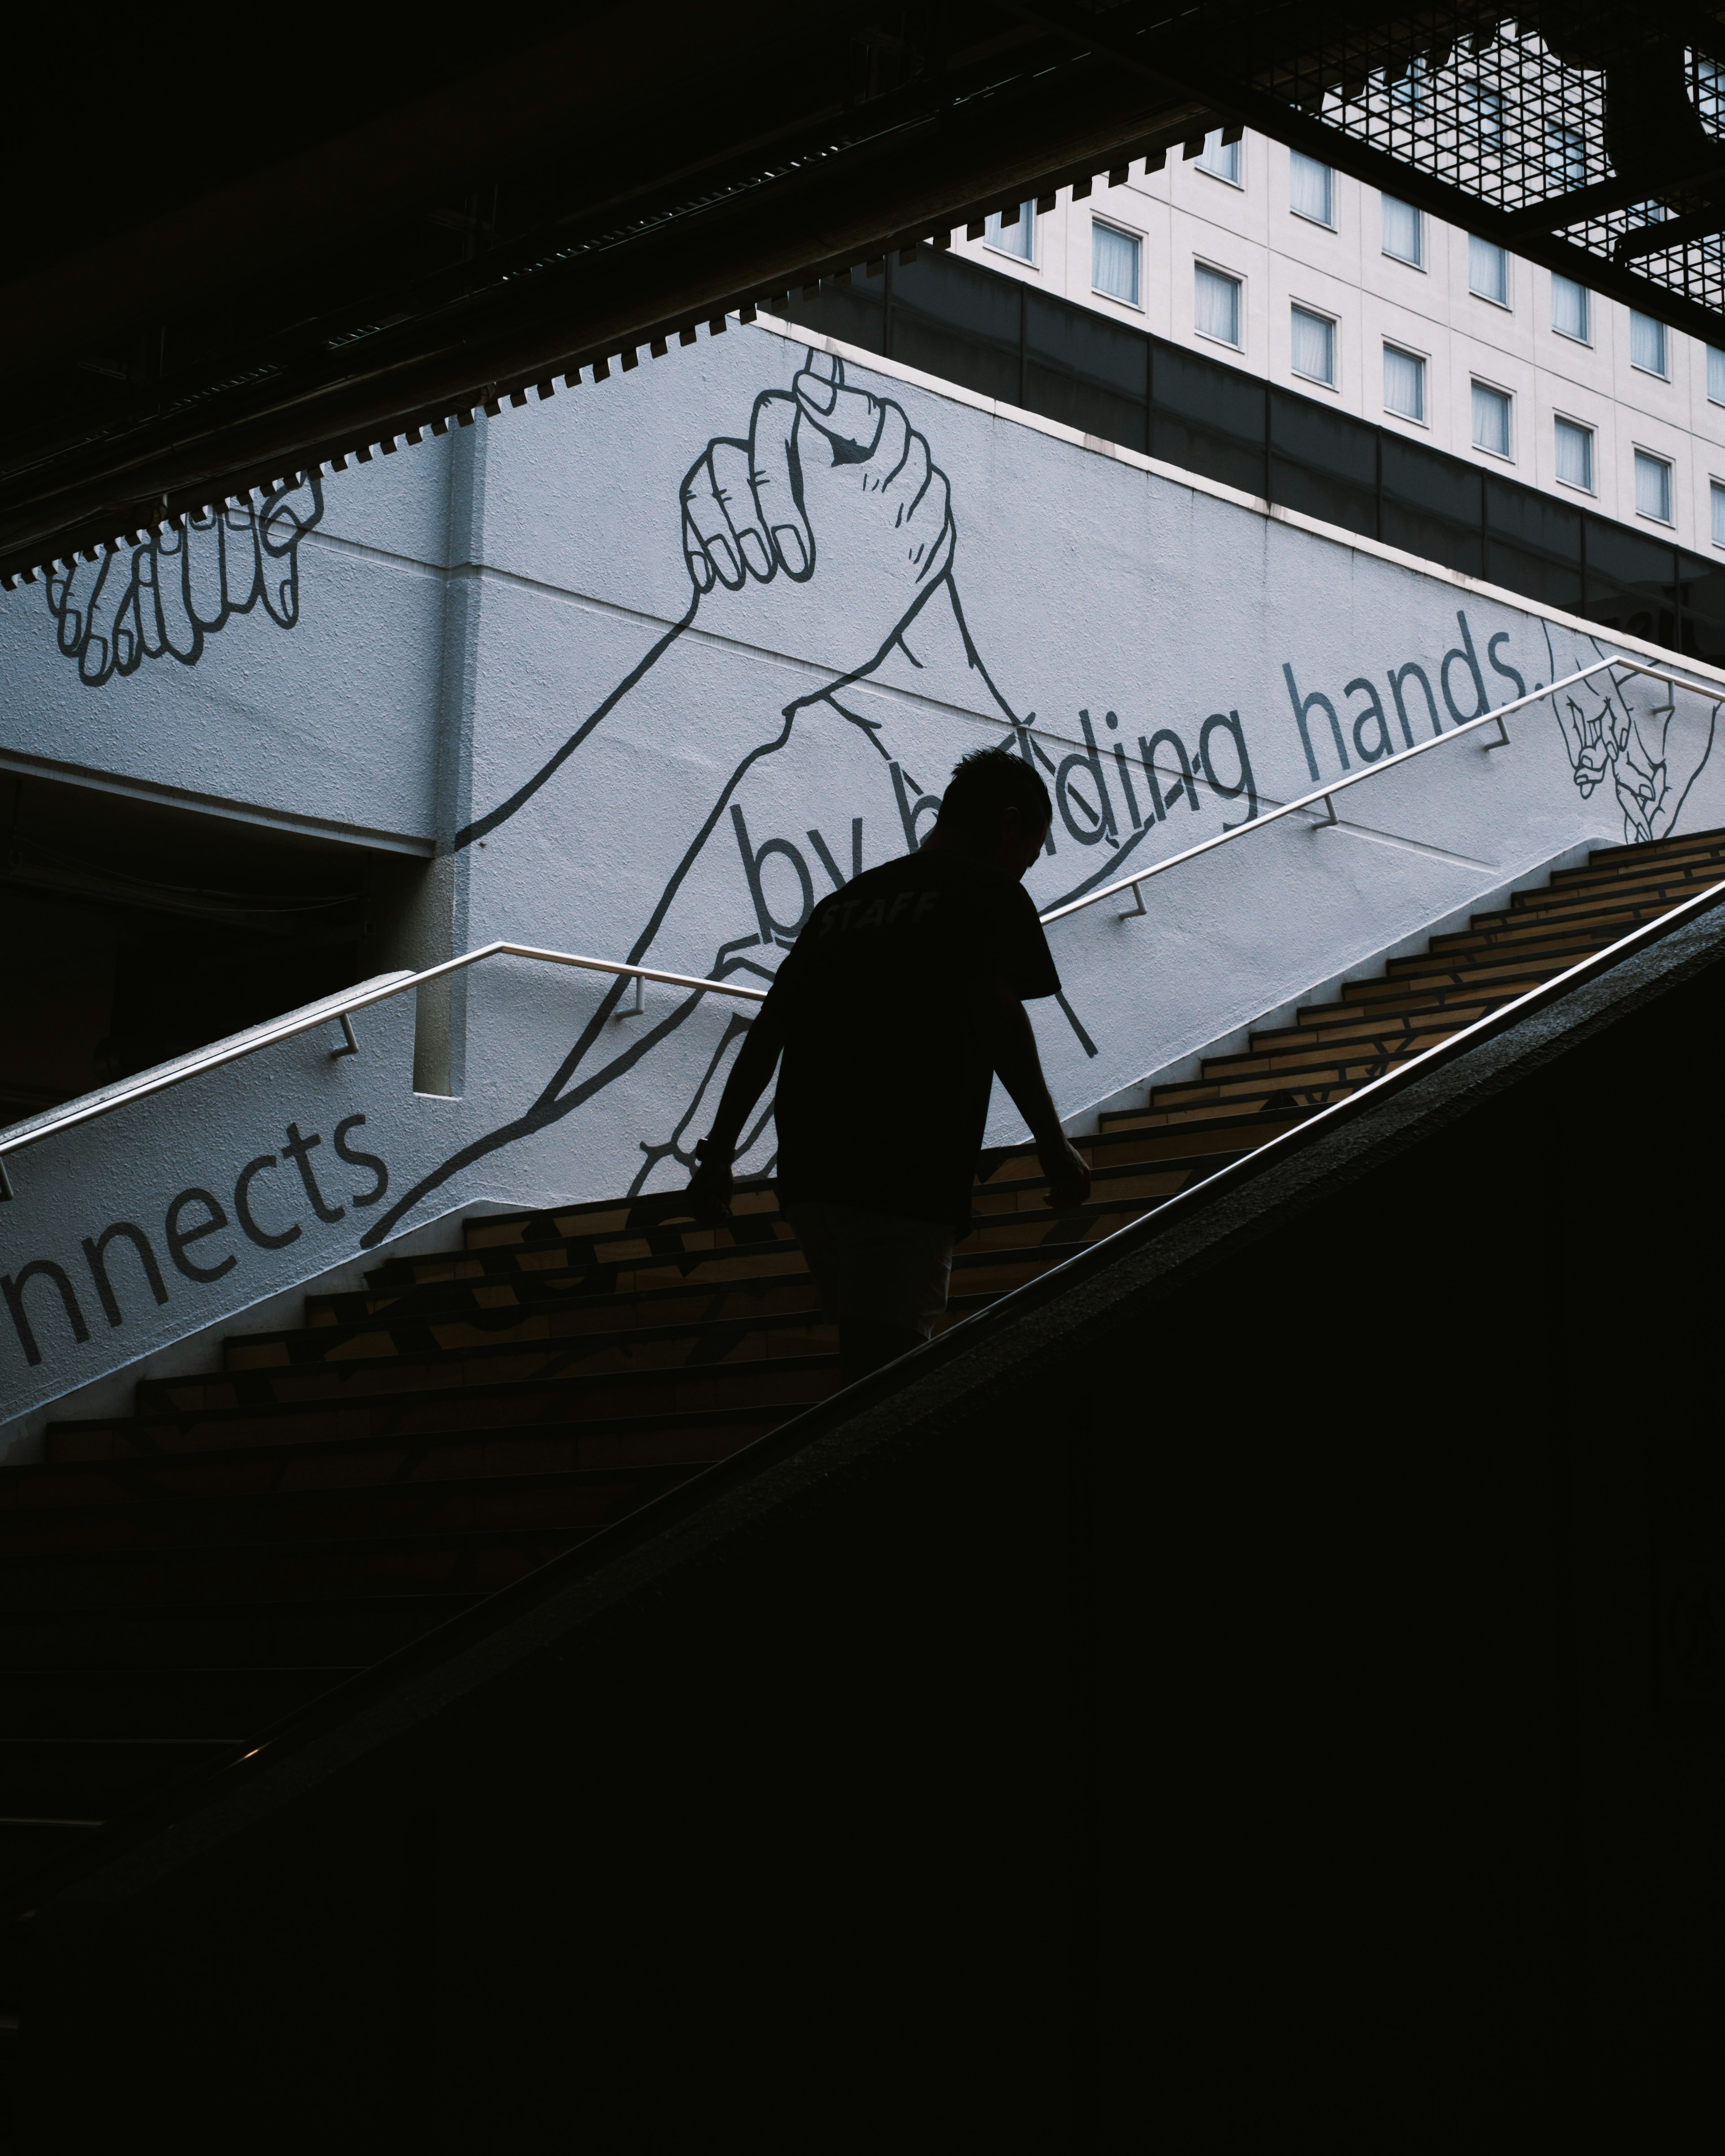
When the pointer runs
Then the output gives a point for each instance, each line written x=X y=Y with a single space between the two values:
x=216 y=275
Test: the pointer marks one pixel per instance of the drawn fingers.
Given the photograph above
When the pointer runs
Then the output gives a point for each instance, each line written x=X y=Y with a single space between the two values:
x=111 y=644
x=710 y=543
x=777 y=480
x=204 y=583
x=923 y=509
x=68 y=598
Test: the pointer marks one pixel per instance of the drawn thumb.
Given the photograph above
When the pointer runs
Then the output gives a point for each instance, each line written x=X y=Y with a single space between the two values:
x=850 y=418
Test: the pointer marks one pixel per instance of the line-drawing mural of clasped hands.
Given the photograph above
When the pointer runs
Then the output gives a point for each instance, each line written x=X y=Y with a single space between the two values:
x=833 y=487
x=162 y=598
x=822 y=535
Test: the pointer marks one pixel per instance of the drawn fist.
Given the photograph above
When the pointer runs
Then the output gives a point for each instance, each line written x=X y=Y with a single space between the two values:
x=832 y=485
x=163 y=598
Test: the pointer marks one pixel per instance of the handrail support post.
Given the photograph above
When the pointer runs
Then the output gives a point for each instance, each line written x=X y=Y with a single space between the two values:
x=350 y=1045
x=5 y=1182
x=1324 y=823
x=1131 y=912
x=1502 y=740
x=637 y=1009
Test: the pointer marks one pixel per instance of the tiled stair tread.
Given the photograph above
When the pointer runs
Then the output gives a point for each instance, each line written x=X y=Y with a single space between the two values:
x=1586 y=886
x=1535 y=938
x=800 y=1334
x=1522 y=970
x=755 y=1209
x=1551 y=953
x=374 y=1341
x=695 y=1271
x=1381 y=1045
x=1602 y=859
x=1364 y=1025
x=331 y=1492
x=1342 y=1024
x=1590 y=909
x=395 y=1331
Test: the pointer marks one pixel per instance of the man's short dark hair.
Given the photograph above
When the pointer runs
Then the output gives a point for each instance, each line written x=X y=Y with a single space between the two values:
x=989 y=781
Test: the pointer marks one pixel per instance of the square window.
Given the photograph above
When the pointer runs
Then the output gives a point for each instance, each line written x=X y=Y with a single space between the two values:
x=1490 y=419
x=1314 y=346
x=1647 y=344
x=1217 y=313
x=1018 y=238
x=1407 y=95
x=1488 y=271
x=1575 y=454
x=1220 y=159
x=1570 y=311
x=1653 y=487
x=1114 y=263
x=1403 y=382
x=1716 y=375
x=1312 y=188
x=1565 y=159
x=1719 y=495
x=1404 y=232
x=1486 y=110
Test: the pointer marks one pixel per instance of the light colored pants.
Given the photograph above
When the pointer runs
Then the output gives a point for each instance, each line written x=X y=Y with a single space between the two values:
x=876 y=1268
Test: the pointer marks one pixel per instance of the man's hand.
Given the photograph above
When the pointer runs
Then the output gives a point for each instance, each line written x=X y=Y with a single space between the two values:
x=832 y=485
x=711 y=1186
x=1067 y=1172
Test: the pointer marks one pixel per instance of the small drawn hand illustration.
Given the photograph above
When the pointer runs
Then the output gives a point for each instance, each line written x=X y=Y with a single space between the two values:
x=1600 y=738
x=163 y=598
x=832 y=484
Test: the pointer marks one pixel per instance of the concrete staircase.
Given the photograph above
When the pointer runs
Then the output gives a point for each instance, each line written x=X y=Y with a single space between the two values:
x=177 y=1579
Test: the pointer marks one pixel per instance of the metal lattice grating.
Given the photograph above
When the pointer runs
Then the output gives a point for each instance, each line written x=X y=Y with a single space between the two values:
x=1615 y=114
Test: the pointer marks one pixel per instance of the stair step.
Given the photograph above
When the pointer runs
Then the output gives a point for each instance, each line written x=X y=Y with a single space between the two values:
x=177 y=1579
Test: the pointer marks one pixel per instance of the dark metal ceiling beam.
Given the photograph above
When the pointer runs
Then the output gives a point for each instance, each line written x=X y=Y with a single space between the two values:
x=533 y=316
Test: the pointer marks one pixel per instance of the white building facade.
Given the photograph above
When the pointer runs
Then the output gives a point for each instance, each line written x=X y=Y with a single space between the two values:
x=1263 y=258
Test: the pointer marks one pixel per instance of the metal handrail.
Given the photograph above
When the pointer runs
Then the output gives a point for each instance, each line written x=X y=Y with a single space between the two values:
x=341 y=1014
x=1307 y=801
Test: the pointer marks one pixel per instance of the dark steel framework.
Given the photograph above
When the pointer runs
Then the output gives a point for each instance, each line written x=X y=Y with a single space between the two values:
x=587 y=196
x=1591 y=136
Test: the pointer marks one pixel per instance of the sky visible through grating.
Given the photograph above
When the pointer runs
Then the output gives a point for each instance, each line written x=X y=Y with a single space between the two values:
x=1503 y=111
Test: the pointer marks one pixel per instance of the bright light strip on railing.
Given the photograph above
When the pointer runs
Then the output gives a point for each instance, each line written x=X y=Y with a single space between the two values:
x=335 y=1014
x=1307 y=801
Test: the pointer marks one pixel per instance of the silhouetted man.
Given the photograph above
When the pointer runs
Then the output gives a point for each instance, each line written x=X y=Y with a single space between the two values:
x=901 y=1002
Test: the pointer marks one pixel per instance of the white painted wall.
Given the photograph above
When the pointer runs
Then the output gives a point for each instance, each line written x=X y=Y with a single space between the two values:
x=466 y=614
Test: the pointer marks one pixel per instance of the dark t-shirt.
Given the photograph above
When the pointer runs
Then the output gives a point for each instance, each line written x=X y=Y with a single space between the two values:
x=883 y=1089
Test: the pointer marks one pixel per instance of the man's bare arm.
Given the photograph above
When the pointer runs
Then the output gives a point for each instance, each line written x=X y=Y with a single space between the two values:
x=1018 y=1067
x=710 y=1186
